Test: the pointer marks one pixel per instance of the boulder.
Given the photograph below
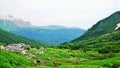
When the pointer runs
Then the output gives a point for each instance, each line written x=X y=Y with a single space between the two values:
x=2 y=47
x=41 y=52
x=23 y=52
x=48 y=58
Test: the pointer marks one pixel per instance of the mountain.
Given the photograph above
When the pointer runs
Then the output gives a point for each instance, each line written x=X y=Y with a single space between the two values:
x=10 y=38
x=106 y=43
x=53 y=27
x=11 y=23
x=102 y=27
x=101 y=37
x=50 y=34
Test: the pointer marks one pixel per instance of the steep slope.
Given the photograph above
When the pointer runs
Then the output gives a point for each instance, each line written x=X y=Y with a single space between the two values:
x=108 y=42
x=103 y=26
x=9 y=38
x=101 y=37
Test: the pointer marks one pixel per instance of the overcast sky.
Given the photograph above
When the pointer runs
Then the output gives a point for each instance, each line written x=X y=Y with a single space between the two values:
x=72 y=13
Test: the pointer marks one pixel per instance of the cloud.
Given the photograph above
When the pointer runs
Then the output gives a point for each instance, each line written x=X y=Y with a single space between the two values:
x=77 y=13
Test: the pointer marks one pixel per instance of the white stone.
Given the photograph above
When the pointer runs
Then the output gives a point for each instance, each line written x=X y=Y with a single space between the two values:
x=117 y=26
x=23 y=52
x=2 y=47
x=41 y=52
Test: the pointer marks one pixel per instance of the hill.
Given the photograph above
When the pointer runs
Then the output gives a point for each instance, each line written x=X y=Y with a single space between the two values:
x=106 y=43
x=102 y=27
x=9 y=38
x=101 y=37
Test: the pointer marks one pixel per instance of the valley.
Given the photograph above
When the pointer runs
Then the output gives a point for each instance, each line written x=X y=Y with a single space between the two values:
x=98 y=47
x=58 y=58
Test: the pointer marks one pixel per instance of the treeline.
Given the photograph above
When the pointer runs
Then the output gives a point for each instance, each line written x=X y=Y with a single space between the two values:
x=104 y=44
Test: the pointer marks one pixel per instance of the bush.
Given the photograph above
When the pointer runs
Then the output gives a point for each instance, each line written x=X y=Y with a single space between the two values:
x=116 y=65
x=5 y=65
x=107 y=65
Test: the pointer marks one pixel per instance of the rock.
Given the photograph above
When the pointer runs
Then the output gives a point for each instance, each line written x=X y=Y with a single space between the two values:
x=48 y=58
x=81 y=59
x=56 y=64
x=23 y=52
x=31 y=56
x=117 y=26
x=16 y=47
x=41 y=52
x=43 y=63
x=2 y=47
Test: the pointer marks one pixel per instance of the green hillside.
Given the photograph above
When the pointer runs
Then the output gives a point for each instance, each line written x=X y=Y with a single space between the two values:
x=101 y=37
x=99 y=47
x=10 y=38
x=12 y=60
x=107 y=43
x=59 y=58
x=103 y=26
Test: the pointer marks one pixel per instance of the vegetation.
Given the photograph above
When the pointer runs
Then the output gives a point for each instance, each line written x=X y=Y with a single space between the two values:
x=59 y=58
x=104 y=44
x=102 y=27
x=12 y=60
x=10 y=38
x=99 y=47
x=102 y=37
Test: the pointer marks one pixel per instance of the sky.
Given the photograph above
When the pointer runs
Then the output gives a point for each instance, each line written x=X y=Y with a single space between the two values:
x=70 y=13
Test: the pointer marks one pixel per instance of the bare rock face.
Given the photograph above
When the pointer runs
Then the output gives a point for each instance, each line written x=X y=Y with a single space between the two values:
x=117 y=26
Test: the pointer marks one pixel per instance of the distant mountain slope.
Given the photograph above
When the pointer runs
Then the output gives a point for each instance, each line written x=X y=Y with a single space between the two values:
x=10 y=38
x=52 y=27
x=51 y=35
x=103 y=26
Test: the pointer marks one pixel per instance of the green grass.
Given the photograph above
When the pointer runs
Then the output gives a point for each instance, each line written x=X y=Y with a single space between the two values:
x=59 y=58
x=12 y=60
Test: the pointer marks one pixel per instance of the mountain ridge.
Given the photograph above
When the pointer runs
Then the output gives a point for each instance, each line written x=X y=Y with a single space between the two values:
x=101 y=27
x=101 y=37
x=51 y=34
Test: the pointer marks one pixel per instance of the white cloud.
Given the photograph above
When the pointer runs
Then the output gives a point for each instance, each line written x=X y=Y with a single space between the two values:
x=77 y=13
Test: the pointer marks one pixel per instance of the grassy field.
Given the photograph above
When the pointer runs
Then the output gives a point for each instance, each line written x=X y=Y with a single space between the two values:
x=59 y=58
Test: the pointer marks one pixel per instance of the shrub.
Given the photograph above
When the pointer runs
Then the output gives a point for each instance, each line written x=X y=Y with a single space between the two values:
x=116 y=65
x=5 y=65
